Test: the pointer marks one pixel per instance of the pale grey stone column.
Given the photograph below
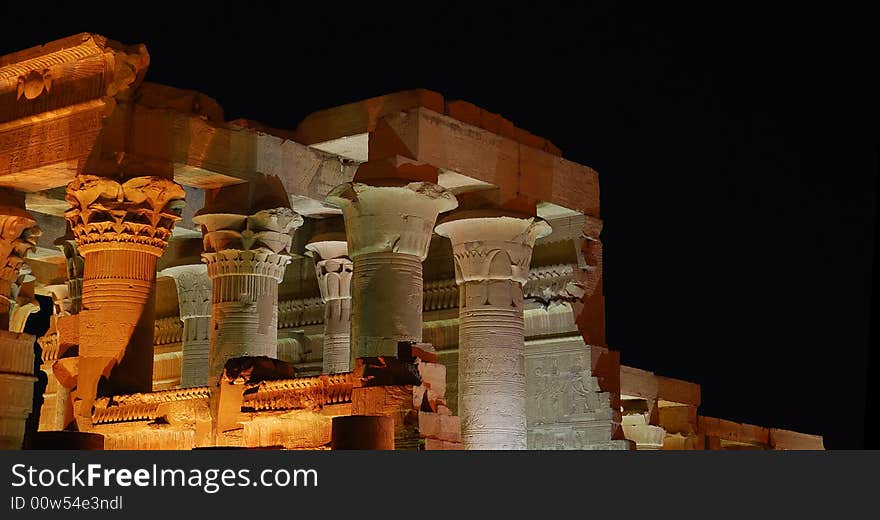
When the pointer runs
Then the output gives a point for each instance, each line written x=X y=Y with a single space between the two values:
x=334 y=270
x=492 y=254
x=389 y=229
x=194 y=300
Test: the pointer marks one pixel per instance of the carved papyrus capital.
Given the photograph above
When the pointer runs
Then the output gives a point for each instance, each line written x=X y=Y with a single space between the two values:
x=488 y=247
x=391 y=219
x=269 y=230
x=333 y=268
x=18 y=236
x=138 y=214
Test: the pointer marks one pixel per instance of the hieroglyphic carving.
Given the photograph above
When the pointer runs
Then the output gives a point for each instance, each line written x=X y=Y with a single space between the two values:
x=246 y=257
x=492 y=256
x=565 y=407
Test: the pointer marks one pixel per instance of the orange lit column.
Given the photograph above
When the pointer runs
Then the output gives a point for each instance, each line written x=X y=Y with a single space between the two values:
x=246 y=257
x=492 y=255
x=18 y=235
x=121 y=229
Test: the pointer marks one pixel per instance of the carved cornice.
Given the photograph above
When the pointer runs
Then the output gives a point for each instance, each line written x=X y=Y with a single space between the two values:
x=440 y=294
x=69 y=71
x=298 y=313
x=285 y=394
x=138 y=214
x=299 y=393
x=142 y=406
x=552 y=283
x=230 y=262
x=168 y=330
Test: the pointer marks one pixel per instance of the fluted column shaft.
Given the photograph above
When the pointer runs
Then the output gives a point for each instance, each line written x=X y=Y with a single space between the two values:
x=334 y=271
x=492 y=257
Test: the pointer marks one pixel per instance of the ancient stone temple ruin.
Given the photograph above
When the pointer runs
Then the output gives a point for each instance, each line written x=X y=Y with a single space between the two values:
x=403 y=272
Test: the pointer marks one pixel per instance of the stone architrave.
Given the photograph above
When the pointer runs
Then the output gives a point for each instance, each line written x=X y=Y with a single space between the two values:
x=389 y=229
x=18 y=236
x=334 y=272
x=194 y=300
x=246 y=256
x=121 y=228
x=492 y=254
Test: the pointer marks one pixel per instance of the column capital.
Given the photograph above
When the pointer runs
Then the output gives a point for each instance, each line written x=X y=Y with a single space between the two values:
x=137 y=214
x=392 y=216
x=18 y=236
x=492 y=245
x=257 y=244
x=268 y=230
x=193 y=289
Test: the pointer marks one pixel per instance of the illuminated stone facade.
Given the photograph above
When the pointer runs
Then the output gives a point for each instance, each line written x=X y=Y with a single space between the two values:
x=221 y=283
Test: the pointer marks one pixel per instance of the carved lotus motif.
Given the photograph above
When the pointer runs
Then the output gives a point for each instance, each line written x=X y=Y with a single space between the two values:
x=34 y=83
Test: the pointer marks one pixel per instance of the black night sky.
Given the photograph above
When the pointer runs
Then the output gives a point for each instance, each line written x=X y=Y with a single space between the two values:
x=736 y=147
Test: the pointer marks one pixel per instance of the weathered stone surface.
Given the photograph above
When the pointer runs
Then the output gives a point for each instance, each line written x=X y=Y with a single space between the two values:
x=389 y=229
x=334 y=269
x=492 y=255
x=566 y=408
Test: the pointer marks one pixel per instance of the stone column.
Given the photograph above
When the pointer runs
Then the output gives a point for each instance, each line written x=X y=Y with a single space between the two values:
x=492 y=255
x=194 y=300
x=18 y=236
x=74 y=272
x=334 y=271
x=389 y=229
x=246 y=256
x=121 y=228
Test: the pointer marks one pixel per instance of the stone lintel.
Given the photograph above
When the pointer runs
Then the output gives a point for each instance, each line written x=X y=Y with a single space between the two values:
x=732 y=431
